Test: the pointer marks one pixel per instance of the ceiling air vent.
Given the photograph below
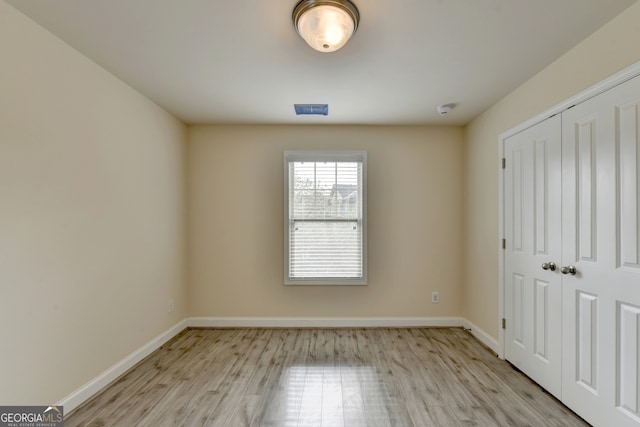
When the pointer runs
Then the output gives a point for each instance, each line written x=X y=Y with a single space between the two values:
x=311 y=109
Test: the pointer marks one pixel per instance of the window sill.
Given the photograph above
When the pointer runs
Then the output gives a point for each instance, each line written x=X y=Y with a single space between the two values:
x=326 y=282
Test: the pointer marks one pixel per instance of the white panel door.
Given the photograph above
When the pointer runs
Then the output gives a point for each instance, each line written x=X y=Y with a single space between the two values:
x=533 y=233
x=601 y=239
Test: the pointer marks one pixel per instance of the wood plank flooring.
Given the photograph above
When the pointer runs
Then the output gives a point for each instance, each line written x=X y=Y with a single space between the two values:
x=323 y=377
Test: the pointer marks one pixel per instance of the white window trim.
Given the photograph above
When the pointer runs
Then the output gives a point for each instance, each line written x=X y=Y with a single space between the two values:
x=328 y=156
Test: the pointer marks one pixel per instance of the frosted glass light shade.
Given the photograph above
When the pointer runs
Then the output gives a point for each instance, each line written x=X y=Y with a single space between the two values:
x=326 y=26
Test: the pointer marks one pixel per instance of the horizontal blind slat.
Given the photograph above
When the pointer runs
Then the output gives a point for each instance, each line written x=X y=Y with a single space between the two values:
x=325 y=218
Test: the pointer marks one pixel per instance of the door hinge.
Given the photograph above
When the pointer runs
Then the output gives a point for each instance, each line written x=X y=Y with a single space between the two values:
x=504 y=323
x=504 y=163
x=504 y=243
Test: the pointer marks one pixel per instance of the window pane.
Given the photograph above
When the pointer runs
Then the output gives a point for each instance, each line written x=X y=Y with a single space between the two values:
x=325 y=223
x=325 y=190
x=326 y=249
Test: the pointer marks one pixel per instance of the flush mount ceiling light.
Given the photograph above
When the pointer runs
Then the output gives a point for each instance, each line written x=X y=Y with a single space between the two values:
x=326 y=25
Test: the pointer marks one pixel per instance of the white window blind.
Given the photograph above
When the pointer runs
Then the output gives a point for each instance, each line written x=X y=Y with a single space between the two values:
x=325 y=229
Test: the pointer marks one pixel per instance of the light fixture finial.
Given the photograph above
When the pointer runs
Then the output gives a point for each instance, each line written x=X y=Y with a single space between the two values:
x=326 y=25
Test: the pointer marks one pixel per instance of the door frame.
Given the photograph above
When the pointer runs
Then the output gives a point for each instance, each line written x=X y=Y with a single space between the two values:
x=600 y=87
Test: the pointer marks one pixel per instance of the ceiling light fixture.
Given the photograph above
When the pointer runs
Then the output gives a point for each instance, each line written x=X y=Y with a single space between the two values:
x=326 y=25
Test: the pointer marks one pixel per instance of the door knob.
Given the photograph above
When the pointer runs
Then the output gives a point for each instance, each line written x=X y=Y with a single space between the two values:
x=549 y=266
x=569 y=269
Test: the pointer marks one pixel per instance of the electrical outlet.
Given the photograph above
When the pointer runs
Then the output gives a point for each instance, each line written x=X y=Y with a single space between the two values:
x=170 y=305
x=435 y=297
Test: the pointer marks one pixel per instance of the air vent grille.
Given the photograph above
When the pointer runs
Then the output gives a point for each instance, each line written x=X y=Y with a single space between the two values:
x=311 y=109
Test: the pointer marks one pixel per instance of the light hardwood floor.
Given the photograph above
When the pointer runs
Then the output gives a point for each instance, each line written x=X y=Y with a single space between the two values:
x=323 y=377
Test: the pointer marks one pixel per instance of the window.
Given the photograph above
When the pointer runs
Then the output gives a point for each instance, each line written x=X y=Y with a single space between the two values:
x=325 y=217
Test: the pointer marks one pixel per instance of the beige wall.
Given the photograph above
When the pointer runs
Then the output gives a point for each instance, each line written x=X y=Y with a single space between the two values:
x=607 y=51
x=235 y=179
x=92 y=217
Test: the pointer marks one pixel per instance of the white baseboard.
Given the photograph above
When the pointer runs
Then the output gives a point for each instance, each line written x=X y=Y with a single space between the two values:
x=96 y=385
x=482 y=336
x=323 y=322
x=344 y=322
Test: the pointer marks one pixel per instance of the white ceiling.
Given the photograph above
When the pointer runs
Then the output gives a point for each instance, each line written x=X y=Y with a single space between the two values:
x=241 y=61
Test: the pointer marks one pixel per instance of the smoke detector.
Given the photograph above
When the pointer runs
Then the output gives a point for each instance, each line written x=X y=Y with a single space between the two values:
x=445 y=109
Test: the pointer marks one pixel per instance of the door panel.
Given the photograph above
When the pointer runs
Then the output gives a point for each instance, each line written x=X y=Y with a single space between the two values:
x=586 y=158
x=586 y=141
x=541 y=319
x=629 y=176
x=518 y=311
x=540 y=191
x=628 y=342
x=600 y=181
x=533 y=234
x=627 y=266
x=587 y=341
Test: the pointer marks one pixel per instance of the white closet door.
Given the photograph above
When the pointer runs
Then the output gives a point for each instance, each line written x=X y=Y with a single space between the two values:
x=533 y=234
x=601 y=239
